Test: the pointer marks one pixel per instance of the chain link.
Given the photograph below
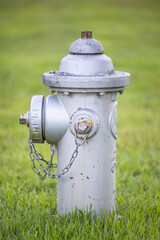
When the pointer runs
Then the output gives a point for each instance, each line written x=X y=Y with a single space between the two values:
x=36 y=156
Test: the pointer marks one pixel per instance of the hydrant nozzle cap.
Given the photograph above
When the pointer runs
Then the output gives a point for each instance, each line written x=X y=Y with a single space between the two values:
x=86 y=45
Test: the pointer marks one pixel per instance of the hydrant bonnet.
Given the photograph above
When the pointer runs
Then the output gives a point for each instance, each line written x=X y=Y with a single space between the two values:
x=86 y=69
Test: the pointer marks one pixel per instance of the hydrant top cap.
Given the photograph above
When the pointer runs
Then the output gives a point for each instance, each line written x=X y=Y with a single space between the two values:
x=86 y=69
x=86 y=45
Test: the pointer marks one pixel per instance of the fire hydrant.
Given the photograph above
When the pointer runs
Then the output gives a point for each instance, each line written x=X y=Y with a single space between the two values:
x=79 y=122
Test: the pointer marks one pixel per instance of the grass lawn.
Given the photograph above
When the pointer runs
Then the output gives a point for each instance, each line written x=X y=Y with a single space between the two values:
x=34 y=36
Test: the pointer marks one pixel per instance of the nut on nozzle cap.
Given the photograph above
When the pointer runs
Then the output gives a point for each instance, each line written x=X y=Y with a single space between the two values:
x=24 y=119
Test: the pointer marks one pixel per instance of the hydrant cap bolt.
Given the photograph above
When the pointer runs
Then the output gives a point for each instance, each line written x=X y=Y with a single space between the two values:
x=86 y=34
x=83 y=125
x=22 y=119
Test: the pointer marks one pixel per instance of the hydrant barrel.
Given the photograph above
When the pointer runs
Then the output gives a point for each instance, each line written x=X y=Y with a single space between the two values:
x=79 y=122
x=92 y=179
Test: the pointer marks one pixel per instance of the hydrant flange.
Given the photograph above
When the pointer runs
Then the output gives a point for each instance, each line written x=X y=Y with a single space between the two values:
x=61 y=82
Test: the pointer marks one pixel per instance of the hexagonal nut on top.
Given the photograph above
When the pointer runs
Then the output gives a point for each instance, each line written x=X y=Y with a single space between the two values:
x=83 y=125
x=86 y=34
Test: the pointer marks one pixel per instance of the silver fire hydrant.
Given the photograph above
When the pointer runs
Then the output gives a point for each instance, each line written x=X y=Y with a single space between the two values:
x=79 y=122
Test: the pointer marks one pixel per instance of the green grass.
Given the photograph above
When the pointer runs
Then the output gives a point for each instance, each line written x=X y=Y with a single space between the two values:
x=34 y=36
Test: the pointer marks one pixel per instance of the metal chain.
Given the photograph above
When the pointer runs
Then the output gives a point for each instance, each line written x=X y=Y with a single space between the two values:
x=34 y=155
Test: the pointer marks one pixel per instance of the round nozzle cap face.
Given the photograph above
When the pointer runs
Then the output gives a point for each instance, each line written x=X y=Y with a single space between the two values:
x=86 y=45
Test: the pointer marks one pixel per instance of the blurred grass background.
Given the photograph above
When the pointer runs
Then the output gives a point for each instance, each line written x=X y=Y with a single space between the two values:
x=34 y=36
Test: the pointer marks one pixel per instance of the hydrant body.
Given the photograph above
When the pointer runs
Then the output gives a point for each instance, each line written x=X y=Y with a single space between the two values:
x=80 y=124
x=91 y=180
